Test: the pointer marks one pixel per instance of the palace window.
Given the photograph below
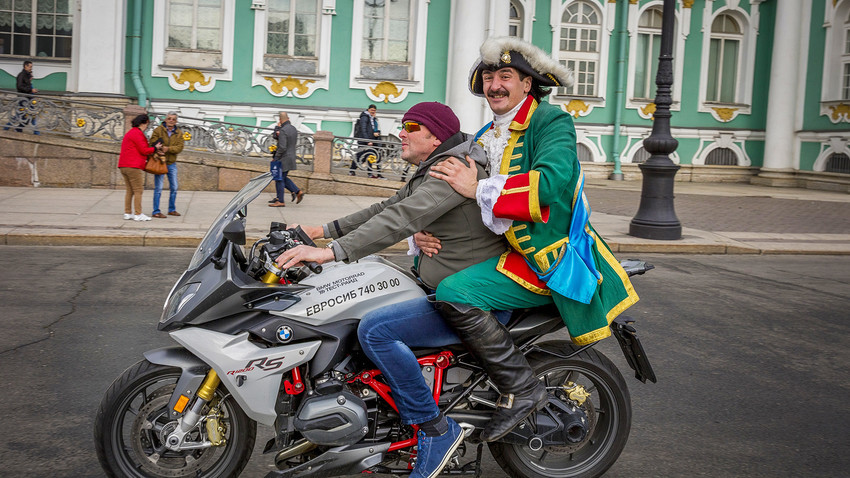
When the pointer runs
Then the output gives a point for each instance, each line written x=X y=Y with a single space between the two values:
x=515 y=20
x=579 y=47
x=386 y=30
x=838 y=163
x=722 y=157
x=724 y=60
x=845 y=62
x=36 y=28
x=194 y=33
x=648 y=50
x=292 y=28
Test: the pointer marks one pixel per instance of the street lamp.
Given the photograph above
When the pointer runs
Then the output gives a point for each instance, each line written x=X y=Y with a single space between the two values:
x=656 y=216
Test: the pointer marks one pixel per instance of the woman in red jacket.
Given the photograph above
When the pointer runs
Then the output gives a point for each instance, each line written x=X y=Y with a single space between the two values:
x=131 y=163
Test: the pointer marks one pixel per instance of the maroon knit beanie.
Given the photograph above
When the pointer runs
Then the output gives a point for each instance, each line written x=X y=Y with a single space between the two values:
x=437 y=117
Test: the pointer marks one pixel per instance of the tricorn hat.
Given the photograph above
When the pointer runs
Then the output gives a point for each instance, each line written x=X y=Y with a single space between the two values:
x=504 y=52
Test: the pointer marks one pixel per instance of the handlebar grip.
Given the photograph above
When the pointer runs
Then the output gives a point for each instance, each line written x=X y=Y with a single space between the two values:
x=316 y=268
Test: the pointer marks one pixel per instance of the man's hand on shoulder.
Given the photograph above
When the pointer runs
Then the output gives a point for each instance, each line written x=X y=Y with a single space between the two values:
x=427 y=243
x=463 y=178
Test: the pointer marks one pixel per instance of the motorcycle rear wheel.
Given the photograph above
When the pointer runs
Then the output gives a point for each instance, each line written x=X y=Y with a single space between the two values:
x=609 y=412
x=133 y=418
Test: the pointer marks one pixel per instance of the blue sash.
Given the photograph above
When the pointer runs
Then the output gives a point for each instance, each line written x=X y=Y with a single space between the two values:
x=574 y=274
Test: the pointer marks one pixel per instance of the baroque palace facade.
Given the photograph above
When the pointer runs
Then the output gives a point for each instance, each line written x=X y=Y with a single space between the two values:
x=761 y=87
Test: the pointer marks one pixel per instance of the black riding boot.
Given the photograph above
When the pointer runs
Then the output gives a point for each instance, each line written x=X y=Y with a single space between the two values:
x=521 y=392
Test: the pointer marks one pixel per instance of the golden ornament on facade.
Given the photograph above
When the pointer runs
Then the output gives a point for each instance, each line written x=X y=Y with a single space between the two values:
x=725 y=114
x=576 y=107
x=649 y=110
x=292 y=85
x=840 y=112
x=387 y=89
x=687 y=3
x=191 y=76
x=187 y=136
x=81 y=122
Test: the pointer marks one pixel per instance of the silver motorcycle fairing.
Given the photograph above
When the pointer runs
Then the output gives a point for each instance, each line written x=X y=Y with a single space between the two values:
x=233 y=356
x=345 y=291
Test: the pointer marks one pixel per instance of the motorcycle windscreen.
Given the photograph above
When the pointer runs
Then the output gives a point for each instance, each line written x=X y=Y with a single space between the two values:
x=216 y=231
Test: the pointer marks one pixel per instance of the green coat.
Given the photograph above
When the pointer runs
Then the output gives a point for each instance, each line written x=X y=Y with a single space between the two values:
x=542 y=146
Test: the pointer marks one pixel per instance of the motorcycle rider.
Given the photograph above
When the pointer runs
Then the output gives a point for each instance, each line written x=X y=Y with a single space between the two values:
x=537 y=201
x=430 y=135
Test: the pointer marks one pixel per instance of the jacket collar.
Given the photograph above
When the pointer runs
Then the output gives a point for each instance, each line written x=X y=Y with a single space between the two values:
x=451 y=142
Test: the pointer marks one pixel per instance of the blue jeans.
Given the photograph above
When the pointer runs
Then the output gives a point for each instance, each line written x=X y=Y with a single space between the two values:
x=281 y=186
x=172 y=186
x=386 y=335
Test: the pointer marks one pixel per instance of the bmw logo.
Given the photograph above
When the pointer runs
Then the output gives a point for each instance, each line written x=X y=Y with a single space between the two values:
x=284 y=333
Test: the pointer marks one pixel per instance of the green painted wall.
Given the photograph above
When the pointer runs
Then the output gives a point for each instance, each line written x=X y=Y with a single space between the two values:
x=808 y=155
x=53 y=82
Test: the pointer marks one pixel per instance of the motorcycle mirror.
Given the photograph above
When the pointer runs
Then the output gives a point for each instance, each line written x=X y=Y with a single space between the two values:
x=235 y=232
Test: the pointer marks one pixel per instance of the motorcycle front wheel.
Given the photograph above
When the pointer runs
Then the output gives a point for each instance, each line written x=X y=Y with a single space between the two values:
x=133 y=421
x=608 y=409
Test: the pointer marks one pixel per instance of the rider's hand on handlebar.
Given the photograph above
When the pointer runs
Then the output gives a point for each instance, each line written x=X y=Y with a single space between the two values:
x=300 y=254
x=426 y=242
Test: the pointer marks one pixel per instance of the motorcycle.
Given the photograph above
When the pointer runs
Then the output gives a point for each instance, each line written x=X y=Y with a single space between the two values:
x=261 y=345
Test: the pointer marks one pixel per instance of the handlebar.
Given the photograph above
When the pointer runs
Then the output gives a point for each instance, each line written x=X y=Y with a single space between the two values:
x=305 y=239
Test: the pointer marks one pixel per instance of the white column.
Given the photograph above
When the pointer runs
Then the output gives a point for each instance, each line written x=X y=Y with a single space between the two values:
x=101 y=38
x=781 y=143
x=467 y=31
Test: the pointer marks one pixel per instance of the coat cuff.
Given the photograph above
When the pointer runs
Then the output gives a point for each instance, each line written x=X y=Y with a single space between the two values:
x=520 y=199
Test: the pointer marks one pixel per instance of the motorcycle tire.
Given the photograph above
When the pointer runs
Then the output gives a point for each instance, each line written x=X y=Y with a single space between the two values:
x=608 y=409
x=133 y=419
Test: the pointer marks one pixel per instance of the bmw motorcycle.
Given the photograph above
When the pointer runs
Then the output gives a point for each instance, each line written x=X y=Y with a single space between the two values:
x=257 y=344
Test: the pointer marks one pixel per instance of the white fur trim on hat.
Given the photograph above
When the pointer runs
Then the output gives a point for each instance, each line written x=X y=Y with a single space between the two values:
x=492 y=49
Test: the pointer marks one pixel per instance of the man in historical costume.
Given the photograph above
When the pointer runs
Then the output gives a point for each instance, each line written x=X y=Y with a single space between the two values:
x=430 y=134
x=537 y=201
x=170 y=136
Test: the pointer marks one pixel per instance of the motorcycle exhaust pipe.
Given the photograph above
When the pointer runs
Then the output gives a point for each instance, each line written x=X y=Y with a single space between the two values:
x=299 y=447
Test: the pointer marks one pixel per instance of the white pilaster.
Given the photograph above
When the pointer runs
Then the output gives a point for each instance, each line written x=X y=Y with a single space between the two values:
x=781 y=142
x=101 y=38
x=467 y=31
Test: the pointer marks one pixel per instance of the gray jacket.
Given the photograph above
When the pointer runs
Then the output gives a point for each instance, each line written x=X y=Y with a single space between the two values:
x=286 y=140
x=424 y=203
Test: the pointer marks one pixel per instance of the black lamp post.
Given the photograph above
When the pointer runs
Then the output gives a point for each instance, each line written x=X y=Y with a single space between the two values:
x=656 y=217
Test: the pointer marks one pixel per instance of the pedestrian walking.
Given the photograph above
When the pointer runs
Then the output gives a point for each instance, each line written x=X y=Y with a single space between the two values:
x=367 y=129
x=24 y=113
x=131 y=162
x=284 y=162
x=170 y=135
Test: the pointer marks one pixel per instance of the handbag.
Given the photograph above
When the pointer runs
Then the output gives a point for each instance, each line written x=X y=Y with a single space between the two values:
x=155 y=165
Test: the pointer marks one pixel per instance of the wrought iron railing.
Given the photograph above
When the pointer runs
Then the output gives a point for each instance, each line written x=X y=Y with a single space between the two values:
x=37 y=114
x=381 y=159
x=78 y=119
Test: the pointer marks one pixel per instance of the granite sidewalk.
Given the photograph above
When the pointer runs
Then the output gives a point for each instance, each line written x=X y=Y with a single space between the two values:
x=717 y=218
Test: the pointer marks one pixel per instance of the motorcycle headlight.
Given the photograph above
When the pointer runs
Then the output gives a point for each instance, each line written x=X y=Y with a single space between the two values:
x=178 y=299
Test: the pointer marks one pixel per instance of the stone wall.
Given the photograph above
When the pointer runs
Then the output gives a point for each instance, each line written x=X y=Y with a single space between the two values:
x=50 y=160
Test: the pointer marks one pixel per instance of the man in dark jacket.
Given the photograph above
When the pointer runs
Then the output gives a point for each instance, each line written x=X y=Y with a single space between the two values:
x=284 y=162
x=431 y=134
x=367 y=129
x=24 y=113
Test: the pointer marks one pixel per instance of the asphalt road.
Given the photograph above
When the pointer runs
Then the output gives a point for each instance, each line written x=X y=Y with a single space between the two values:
x=751 y=352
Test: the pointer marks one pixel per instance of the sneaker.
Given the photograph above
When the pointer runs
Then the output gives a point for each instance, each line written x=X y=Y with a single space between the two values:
x=127 y=217
x=434 y=453
x=141 y=217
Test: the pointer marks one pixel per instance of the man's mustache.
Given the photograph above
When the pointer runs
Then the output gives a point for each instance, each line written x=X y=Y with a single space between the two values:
x=500 y=91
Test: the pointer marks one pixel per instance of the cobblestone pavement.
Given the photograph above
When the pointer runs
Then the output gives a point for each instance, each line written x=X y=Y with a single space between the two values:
x=735 y=214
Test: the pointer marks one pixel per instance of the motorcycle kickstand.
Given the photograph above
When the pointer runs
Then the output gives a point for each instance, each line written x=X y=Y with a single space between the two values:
x=478 y=454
